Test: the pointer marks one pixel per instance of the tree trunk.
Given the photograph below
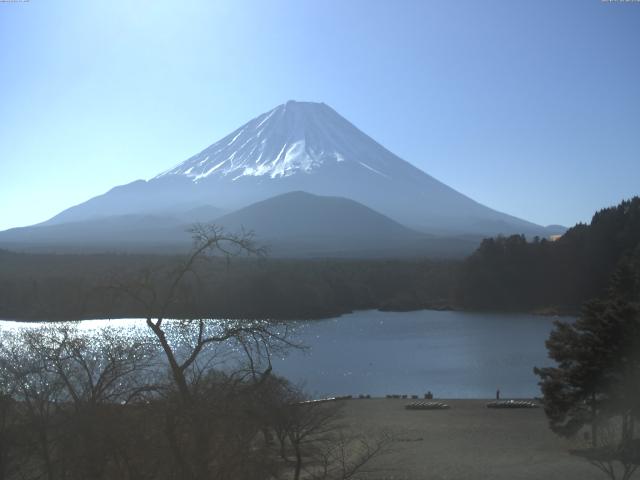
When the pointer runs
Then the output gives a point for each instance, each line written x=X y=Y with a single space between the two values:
x=46 y=457
x=594 y=427
x=625 y=428
x=175 y=447
x=298 y=462
x=201 y=447
x=176 y=371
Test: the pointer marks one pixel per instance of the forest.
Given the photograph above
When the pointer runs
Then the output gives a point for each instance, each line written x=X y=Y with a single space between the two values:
x=68 y=287
x=504 y=274
x=513 y=274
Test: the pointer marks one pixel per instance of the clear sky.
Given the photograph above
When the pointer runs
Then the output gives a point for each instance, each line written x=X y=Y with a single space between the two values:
x=531 y=107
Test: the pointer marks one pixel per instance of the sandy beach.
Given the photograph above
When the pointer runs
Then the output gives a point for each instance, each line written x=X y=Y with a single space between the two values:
x=467 y=441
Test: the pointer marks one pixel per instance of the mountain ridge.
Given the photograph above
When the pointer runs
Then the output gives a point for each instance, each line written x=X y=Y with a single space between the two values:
x=303 y=146
x=291 y=225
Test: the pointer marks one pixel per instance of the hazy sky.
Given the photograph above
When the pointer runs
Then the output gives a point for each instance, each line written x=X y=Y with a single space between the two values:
x=531 y=107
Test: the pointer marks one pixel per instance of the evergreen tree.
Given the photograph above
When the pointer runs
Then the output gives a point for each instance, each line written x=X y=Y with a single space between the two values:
x=597 y=377
x=596 y=367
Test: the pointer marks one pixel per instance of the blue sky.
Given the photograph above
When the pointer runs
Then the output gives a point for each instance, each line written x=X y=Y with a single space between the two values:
x=530 y=107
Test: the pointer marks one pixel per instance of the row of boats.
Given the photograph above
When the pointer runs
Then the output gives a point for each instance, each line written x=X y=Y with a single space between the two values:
x=429 y=405
x=494 y=404
x=513 y=404
x=426 y=406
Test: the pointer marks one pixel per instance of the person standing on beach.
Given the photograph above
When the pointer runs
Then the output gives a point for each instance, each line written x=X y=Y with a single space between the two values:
x=498 y=394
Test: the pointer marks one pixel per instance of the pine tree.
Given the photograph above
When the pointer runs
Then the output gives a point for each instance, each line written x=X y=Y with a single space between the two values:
x=597 y=374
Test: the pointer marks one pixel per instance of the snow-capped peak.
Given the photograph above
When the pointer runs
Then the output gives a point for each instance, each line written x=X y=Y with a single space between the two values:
x=296 y=137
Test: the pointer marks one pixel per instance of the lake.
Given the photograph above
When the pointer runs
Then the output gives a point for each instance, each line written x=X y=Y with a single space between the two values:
x=452 y=354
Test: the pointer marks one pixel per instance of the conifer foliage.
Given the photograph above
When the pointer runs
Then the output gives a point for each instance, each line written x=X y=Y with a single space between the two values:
x=595 y=384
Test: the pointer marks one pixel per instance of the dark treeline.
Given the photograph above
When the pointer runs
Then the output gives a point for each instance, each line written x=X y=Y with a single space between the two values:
x=63 y=287
x=504 y=274
x=510 y=273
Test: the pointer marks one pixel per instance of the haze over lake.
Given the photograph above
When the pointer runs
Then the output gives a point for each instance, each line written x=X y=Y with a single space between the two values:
x=452 y=354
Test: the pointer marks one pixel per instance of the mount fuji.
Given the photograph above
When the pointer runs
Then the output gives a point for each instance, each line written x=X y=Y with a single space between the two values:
x=295 y=147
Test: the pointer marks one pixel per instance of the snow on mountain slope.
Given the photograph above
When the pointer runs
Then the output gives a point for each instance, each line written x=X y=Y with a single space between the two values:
x=297 y=137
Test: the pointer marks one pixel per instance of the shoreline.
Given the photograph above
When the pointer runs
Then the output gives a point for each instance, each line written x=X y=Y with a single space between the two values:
x=540 y=313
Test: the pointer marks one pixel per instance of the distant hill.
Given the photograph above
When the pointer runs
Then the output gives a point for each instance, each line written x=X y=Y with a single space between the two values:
x=295 y=224
x=153 y=233
x=132 y=233
x=298 y=222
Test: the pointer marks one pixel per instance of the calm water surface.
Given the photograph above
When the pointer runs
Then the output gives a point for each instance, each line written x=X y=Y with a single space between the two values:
x=452 y=354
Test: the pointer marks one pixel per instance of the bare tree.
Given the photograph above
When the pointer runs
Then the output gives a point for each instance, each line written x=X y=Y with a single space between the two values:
x=316 y=444
x=191 y=343
x=8 y=434
x=615 y=458
x=37 y=390
x=70 y=390
x=161 y=292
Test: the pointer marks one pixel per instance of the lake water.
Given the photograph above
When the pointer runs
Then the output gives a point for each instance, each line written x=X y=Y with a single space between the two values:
x=452 y=354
